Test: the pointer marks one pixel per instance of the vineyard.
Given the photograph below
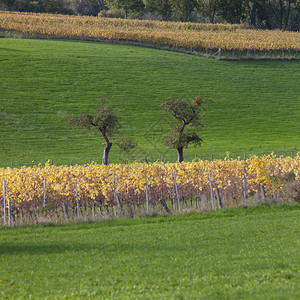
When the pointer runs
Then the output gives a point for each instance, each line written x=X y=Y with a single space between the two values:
x=97 y=189
x=191 y=37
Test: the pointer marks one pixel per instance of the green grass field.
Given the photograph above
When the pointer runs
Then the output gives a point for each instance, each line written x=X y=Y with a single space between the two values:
x=45 y=82
x=251 y=253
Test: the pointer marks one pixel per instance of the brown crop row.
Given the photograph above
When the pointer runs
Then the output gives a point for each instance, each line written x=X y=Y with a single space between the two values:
x=188 y=36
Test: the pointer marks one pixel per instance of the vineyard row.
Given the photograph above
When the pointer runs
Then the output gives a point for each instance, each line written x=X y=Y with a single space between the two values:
x=141 y=185
x=186 y=36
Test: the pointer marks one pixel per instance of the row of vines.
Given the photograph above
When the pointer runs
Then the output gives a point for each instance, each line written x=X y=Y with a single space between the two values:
x=138 y=184
x=188 y=36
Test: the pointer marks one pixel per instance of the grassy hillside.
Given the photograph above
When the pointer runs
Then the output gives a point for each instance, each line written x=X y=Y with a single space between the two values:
x=236 y=254
x=44 y=82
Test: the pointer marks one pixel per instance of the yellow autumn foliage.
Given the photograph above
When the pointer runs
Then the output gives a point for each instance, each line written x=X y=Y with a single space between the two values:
x=25 y=186
x=188 y=36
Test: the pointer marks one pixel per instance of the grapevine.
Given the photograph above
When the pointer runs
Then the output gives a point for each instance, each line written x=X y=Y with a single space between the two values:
x=188 y=36
x=25 y=186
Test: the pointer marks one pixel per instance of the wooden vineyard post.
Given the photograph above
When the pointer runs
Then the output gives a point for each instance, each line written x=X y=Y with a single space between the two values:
x=165 y=206
x=211 y=190
x=161 y=200
x=77 y=199
x=4 y=201
x=45 y=188
x=173 y=198
x=115 y=196
x=65 y=210
x=161 y=185
x=93 y=209
x=219 y=198
x=120 y=203
x=263 y=193
x=9 y=212
x=244 y=183
x=147 y=194
x=176 y=187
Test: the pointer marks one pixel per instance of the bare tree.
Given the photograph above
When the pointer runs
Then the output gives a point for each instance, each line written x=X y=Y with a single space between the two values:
x=186 y=115
x=107 y=123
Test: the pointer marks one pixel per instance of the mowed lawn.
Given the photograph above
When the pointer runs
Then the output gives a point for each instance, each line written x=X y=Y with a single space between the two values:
x=45 y=82
x=251 y=253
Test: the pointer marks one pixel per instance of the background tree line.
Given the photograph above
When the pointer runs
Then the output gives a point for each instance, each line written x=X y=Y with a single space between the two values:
x=266 y=14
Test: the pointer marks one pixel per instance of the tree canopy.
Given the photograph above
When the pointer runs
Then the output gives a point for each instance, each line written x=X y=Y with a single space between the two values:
x=265 y=14
x=188 y=121
x=127 y=5
x=107 y=123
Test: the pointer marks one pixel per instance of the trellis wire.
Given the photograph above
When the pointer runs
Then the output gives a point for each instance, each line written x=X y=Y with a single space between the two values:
x=212 y=157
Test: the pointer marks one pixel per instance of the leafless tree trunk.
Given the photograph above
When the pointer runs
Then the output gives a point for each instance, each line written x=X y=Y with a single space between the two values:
x=180 y=154
x=107 y=148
